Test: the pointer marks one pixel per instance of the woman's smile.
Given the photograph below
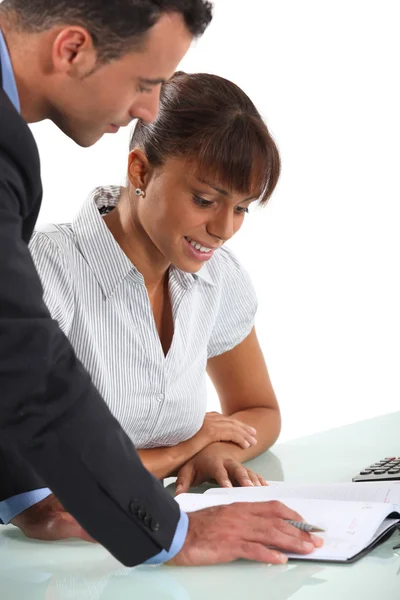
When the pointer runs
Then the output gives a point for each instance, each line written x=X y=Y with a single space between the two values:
x=196 y=251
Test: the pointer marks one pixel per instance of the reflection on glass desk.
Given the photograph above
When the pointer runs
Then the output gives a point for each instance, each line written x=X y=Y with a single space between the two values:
x=74 y=570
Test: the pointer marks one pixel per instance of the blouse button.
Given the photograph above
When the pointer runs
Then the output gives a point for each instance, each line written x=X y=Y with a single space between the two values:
x=160 y=397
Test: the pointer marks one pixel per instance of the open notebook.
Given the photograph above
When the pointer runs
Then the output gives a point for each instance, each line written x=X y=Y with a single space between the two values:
x=355 y=516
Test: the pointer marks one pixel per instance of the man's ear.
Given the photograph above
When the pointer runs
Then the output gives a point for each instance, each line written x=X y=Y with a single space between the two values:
x=139 y=169
x=73 y=52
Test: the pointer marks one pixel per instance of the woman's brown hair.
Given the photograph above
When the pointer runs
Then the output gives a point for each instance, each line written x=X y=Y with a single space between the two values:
x=211 y=121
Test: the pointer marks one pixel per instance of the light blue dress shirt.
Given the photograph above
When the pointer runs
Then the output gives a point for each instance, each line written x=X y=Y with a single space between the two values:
x=14 y=506
x=9 y=85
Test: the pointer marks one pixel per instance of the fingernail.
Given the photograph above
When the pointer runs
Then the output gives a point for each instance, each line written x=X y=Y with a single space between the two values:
x=258 y=483
x=282 y=558
x=178 y=489
x=227 y=483
x=308 y=546
x=253 y=431
x=249 y=482
x=247 y=444
x=318 y=541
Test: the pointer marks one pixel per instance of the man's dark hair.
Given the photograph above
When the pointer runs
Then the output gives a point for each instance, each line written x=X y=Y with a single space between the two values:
x=116 y=26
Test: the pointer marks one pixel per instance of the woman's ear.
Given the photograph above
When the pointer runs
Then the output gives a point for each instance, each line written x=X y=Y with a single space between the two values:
x=138 y=169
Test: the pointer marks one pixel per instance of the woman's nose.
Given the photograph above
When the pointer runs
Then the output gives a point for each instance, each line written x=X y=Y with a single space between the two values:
x=222 y=227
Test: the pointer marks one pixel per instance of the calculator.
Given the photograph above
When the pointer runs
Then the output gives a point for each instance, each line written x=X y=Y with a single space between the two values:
x=387 y=469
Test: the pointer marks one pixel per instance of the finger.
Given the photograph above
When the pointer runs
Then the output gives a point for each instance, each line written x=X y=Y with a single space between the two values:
x=232 y=430
x=260 y=553
x=184 y=480
x=240 y=474
x=222 y=477
x=248 y=433
x=227 y=420
x=262 y=481
x=244 y=426
x=302 y=535
x=272 y=508
x=277 y=533
x=255 y=479
x=317 y=541
x=237 y=437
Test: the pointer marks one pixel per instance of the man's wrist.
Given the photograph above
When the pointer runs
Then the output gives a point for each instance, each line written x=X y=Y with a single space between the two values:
x=177 y=543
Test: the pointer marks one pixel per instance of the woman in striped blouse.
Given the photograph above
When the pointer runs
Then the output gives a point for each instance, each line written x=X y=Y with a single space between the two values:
x=142 y=284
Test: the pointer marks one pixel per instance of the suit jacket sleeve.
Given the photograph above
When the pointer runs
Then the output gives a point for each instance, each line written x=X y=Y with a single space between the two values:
x=51 y=416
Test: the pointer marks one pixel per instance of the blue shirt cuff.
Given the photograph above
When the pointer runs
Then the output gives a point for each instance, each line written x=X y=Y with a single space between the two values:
x=15 y=505
x=177 y=543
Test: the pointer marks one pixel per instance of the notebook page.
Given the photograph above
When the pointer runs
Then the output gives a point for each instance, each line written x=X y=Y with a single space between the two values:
x=349 y=526
x=387 y=492
x=333 y=551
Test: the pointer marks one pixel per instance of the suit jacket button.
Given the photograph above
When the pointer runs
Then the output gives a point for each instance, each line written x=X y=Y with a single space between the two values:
x=142 y=514
x=154 y=526
x=148 y=520
x=134 y=507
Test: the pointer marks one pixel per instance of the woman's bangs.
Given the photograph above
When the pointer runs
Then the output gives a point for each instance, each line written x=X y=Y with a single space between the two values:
x=237 y=158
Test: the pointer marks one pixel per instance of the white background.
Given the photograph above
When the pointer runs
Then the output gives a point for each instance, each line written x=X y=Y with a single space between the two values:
x=324 y=255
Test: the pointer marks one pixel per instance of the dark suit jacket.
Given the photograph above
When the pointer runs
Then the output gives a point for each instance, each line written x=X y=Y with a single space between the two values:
x=51 y=416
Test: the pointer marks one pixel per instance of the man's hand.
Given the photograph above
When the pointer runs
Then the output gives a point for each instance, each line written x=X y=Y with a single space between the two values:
x=222 y=534
x=213 y=464
x=48 y=520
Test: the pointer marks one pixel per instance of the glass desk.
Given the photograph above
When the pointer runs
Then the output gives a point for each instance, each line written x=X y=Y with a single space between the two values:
x=74 y=570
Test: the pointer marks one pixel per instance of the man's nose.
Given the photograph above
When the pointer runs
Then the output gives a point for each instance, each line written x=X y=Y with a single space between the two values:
x=146 y=106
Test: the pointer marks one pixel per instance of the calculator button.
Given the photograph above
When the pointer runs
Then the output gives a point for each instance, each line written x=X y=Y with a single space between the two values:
x=379 y=471
x=392 y=471
x=366 y=472
x=393 y=458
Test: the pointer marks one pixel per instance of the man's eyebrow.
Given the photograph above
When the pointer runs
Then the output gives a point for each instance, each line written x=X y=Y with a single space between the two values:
x=221 y=191
x=152 y=81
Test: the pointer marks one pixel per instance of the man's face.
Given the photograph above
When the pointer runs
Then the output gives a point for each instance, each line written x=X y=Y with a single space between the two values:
x=118 y=92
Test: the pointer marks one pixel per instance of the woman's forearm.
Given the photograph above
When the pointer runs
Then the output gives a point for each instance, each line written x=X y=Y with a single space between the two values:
x=267 y=422
x=164 y=462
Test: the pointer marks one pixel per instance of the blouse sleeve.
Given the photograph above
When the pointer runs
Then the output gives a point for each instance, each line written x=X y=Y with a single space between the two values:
x=55 y=278
x=237 y=306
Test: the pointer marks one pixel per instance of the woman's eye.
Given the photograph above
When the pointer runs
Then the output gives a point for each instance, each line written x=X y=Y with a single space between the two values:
x=241 y=210
x=201 y=201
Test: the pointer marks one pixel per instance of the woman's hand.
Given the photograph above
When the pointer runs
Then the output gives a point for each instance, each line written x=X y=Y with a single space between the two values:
x=219 y=465
x=48 y=520
x=222 y=428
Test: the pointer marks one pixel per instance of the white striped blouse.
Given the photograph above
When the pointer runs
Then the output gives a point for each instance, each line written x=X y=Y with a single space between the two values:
x=100 y=302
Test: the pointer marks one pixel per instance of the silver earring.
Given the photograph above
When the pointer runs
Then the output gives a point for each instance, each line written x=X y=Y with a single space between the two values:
x=140 y=192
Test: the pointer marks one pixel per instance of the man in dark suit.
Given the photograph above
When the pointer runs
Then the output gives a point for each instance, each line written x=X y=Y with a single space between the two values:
x=90 y=66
